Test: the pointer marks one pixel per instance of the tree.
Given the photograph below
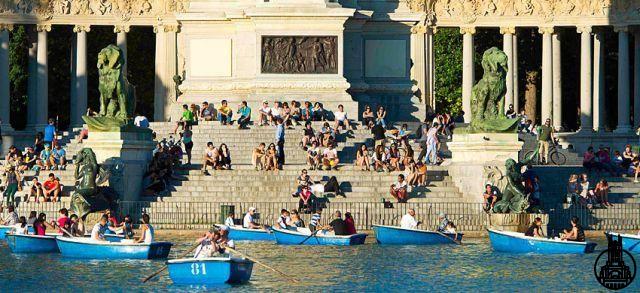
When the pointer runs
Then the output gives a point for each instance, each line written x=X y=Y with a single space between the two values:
x=18 y=75
x=447 y=46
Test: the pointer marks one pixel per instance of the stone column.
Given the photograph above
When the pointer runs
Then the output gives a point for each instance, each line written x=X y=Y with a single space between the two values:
x=557 y=81
x=507 y=45
x=32 y=80
x=586 y=114
x=121 y=41
x=5 y=90
x=160 y=92
x=418 y=70
x=468 y=77
x=431 y=68
x=636 y=78
x=624 y=112
x=42 y=101
x=547 y=74
x=516 y=92
x=598 y=81
x=171 y=68
x=79 y=102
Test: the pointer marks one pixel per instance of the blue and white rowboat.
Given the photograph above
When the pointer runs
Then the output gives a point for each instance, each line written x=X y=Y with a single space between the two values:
x=239 y=233
x=109 y=237
x=4 y=230
x=32 y=243
x=87 y=248
x=506 y=241
x=290 y=237
x=630 y=242
x=210 y=271
x=402 y=236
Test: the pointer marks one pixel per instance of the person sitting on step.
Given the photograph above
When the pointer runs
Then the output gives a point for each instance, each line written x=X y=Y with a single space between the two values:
x=271 y=158
x=330 y=157
x=258 y=157
x=224 y=157
x=245 y=115
x=210 y=158
x=341 y=119
x=225 y=113
x=206 y=112
x=314 y=156
x=308 y=137
x=362 y=158
x=399 y=189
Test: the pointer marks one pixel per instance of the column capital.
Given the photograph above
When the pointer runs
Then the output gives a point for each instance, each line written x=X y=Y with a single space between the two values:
x=6 y=27
x=468 y=30
x=43 y=27
x=508 y=30
x=621 y=28
x=169 y=28
x=418 y=29
x=122 y=28
x=81 y=28
x=546 y=30
x=584 y=29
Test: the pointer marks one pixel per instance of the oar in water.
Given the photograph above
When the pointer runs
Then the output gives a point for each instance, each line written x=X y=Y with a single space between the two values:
x=454 y=240
x=312 y=234
x=262 y=264
x=166 y=266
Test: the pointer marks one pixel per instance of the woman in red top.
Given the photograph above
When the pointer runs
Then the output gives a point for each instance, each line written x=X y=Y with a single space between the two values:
x=63 y=221
x=39 y=225
x=349 y=223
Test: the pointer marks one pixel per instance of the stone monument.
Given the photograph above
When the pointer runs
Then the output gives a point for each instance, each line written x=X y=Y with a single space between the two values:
x=119 y=145
x=89 y=196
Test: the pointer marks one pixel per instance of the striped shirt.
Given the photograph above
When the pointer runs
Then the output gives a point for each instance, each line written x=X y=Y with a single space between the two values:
x=315 y=220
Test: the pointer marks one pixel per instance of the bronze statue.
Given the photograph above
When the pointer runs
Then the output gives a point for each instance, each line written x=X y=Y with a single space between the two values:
x=117 y=95
x=89 y=196
x=514 y=199
x=487 y=97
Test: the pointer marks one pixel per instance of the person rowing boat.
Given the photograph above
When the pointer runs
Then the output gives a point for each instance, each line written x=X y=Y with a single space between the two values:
x=409 y=221
x=99 y=229
x=214 y=242
x=535 y=230
x=249 y=221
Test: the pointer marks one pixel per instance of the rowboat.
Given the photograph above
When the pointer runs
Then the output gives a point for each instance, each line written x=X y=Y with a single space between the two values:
x=4 y=230
x=402 y=236
x=239 y=233
x=302 y=237
x=208 y=271
x=109 y=237
x=87 y=248
x=21 y=243
x=506 y=241
x=630 y=242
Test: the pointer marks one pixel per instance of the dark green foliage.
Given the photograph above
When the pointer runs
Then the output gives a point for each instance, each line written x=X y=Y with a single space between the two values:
x=18 y=75
x=447 y=46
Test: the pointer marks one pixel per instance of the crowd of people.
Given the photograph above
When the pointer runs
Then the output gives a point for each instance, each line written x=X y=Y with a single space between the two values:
x=292 y=220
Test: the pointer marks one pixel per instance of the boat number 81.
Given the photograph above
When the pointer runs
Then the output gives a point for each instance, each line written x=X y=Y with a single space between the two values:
x=198 y=268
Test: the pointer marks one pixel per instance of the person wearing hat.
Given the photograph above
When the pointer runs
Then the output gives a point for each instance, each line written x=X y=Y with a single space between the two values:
x=444 y=222
x=224 y=240
x=249 y=221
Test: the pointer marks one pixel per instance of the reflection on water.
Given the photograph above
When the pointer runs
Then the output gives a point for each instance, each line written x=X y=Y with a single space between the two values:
x=369 y=267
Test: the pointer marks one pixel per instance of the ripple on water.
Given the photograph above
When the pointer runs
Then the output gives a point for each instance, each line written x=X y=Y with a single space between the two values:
x=370 y=267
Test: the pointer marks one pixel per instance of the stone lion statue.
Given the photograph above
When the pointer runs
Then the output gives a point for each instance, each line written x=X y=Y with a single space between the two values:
x=117 y=96
x=89 y=196
x=487 y=96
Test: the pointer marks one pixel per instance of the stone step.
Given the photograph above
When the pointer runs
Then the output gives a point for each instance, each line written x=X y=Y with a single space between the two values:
x=269 y=188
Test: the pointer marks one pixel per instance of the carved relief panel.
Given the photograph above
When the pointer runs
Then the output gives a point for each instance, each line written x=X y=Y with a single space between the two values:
x=299 y=54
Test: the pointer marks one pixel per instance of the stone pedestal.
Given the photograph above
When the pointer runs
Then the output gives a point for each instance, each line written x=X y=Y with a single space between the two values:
x=516 y=222
x=126 y=154
x=472 y=152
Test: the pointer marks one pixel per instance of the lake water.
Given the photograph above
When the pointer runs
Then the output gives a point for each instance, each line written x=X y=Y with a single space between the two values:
x=369 y=267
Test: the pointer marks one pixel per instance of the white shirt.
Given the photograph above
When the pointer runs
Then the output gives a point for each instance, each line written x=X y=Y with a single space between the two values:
x=19 y=230
x=340 y=116
x=95 y=232
x=141 y=121
x=148 y=234
x=248 y=219
x=330 y=153
x=229 y=222
x=408 y=222
x=266 y=110
x=399 y=185
x=283 y=222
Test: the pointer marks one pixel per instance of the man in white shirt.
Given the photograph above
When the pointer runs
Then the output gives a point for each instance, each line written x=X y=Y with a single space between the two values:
x=97 y=233
x=248 y=221
x=265 y=114
x=284 y=220
x=141 y=121
x=229 y=220
x=341 y=119
x=11 y=218
x=409 y=221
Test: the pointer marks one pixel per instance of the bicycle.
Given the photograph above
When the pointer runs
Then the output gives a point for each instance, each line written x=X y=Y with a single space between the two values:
x=555 y=156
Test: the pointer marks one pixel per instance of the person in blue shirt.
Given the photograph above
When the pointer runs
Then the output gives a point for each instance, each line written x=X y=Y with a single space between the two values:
x=245 y=115
x=280 y=142
x=45 y=158
x=58 y=158
x=49 y=132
